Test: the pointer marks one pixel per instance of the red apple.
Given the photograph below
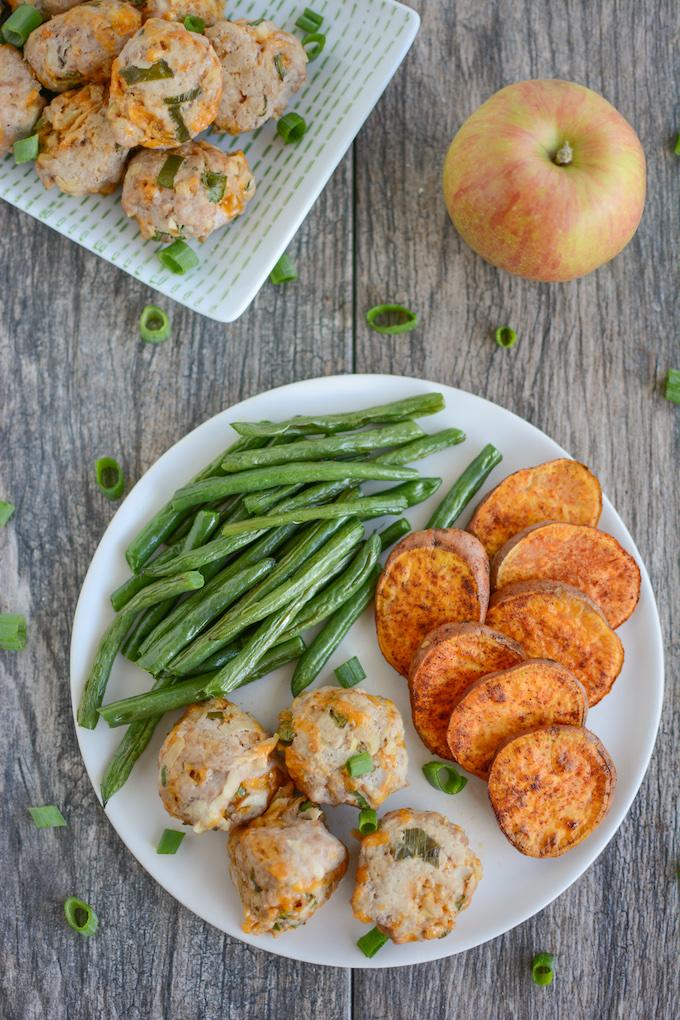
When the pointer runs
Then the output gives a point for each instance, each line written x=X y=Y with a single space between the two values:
x=546 y=179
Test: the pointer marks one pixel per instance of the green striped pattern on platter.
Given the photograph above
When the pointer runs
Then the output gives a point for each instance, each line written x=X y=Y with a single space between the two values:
x=344 y=84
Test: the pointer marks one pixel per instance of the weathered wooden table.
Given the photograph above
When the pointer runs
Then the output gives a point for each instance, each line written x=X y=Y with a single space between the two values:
x=75 y=383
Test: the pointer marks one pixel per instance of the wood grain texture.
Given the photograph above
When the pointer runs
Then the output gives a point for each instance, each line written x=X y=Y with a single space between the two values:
x=75 y=383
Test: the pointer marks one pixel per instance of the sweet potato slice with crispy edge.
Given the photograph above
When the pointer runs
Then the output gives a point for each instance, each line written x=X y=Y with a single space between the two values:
x=504 y=704
x=590 y=560
x=550 y=788
x=431 y=577
x=553 y=620
x=559 y=490
x=448 y=661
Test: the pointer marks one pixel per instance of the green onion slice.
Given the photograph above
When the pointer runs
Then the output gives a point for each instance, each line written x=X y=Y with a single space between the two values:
x=80 y=916
x=6 y=511
x=371 y=942
x=284 y=271
x=167 y=173
x=444 y=777
x=291 y=127
x=309 y=21
x=676 y=148
x=368 y=821
x=286 y=733
x=47 y=817
x=110 y=477
x=672 y=387
x=350 y=673
x=359 y=764
x=391 y=319
x=178 y=257
x=313 y=44
x=26 y=149
x=215 y=185
x=133 y=75
x=12 y=631
x=193 y=23
x=24 y=20
x=280 y=66
x=542 y=970
x=182 y=132
x=170 y=841
x=505 y=337
x=154 y=325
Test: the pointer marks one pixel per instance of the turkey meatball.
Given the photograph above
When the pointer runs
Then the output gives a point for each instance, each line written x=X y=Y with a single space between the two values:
x=78 y=152
x=415 y=875
x=20 y=99
x=166 y=86
x=285 y=864
x=80 y=45
x=217 y=767
x=262 y=67
x=48 y=8
x=209 y=188
x=177 y=10
x=326 y=728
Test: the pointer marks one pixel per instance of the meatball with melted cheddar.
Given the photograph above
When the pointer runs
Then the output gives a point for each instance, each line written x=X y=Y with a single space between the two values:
x=80 y=45
x=78 y=152
x=209 y=11
x=166 y=86
x=285 y=864
x=203 y=189
x=415 y=875
x=20 y=99
x=262 y=67
x=217 y=767
x=326 y=728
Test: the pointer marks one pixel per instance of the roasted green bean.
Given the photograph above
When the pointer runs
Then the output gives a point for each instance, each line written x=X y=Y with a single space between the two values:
x=465 y=487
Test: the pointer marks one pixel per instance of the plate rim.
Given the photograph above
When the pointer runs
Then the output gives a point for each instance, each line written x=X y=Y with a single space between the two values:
x=275 y=946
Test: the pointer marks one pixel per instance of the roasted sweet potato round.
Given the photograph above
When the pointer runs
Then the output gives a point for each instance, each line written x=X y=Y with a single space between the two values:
x=584 y=557
x=502 y=705
x=552 y=620
x=436 y=576
x=448 y=661
x=551 y=788
x=560 y=490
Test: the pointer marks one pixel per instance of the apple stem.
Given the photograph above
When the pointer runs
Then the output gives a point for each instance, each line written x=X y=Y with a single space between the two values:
x=564 y=155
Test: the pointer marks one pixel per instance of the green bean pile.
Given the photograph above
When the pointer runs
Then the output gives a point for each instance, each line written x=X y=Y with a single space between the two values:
x=267 y=542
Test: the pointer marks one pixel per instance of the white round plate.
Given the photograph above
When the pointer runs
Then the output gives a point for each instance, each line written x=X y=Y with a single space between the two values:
x=514 y=887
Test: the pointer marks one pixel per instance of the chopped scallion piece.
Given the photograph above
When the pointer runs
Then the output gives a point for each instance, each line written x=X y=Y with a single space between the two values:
x=368 y=821
x=154 y=325
x=178 y=257
x=133 y=75
x=80 y=916
x=167 y=173
x=391 y=319
x=182 y=132
x=215 y=185
x=359 y=764
x=291 y=127
x=284 y=271
x=676 y=148
x=350 y=673
x=170 y=841
x=47 y=817
x=286 y=733
x=110 y=477
x=542 y=970
x=313 y=44
x=280 y=66
x=6 y=511
x=12 y=631
x=24 y=20
x=183 y=97
x=309 y=21
x=371 y=942
x=444 y=777
x=505 y=337
x=672 y=388
x=26 y=149
x=193 y=23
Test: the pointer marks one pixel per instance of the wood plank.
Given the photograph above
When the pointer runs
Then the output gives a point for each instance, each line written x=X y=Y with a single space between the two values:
x=587 y=370
x=76 y=383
